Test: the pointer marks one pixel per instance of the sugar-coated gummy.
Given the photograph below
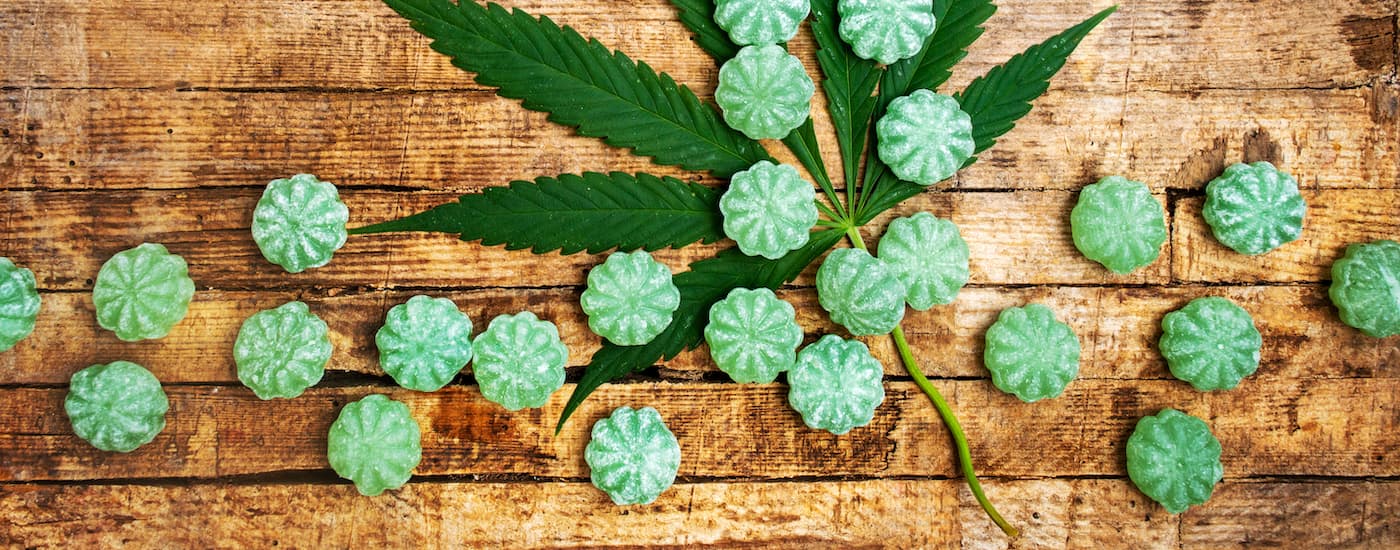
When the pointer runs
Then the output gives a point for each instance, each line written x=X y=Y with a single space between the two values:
x=142 y=292
x=1366 y=287
x=761 y=22
x=116 y=407
x=764 y=92
x=860 y=292
x=1254 y=208
x=19 y=303
x=376 y=443
x=519 y=361
x=424 y=342
x=1174 y=459
x=753 y=335
x=630 y=298
x=928 y=255
x=924 y=137
x=1030 y=354
x=836 y=384
x=1118 y=223
x=299 y=222
x=1211 y=343
x=632 y=456
x=769 y=210
x=886 y=30
x=282 y=351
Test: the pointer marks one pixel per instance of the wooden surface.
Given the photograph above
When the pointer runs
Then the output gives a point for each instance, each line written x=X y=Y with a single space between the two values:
x=124 y=121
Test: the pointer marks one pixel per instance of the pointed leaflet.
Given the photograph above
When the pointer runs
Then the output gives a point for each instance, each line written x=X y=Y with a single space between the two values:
x=582 y=84
x=849 y=84
x=699 y=17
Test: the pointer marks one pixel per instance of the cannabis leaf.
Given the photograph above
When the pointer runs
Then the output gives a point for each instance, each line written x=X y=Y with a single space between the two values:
x=849 y=84
x=699 y=17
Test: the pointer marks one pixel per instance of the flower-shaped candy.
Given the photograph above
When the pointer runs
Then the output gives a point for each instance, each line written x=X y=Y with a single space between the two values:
x=19 y=303
x=886 y=30
x=375 y=443
x=116 y=407
x=1365 y=287
x=924 y=137
x=769 y=210
x=1211 y=343
x=764 y=92
x=142 y=292
x=1118 y=223
x=928 y=255
x=632 y=456
x=1030 y=354
x=860 y=292
x=836 y=384
x=424 y=342
x=1254 y=208
x=282 y=351
x=1174 y=459
x=753 y=335
x=761 y=22
x=630 y=298
x=519 y=361
x=300 y=222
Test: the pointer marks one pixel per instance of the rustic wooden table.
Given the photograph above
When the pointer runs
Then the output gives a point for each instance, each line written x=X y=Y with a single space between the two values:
x=124 y=121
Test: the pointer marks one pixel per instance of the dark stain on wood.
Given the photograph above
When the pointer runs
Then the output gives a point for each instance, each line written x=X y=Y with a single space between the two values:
x=1371 y=40
x=1203 y=165
x=1259 y=145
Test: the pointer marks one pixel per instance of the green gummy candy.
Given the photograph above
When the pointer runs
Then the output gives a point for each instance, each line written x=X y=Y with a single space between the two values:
x=282 y=351
x=1118 y=223
x=764 y=92
x=860 y=292
x=836 y=385
x=116 y=407
x=929 y=256
x=886 y=30
x=761 y=22
x=632 y=456
x=519 y=361
x=630 y=298
x=300 y=222
x=19 y=303
x=1366 y=287
x=753 y=335
x=142 y=292
x=1254 y=208
x=1030 y=354
x=924 y=137
x=1211 y=343
x=424 y=342
x=375 y=443
x=1174 y=459
x=769 y=210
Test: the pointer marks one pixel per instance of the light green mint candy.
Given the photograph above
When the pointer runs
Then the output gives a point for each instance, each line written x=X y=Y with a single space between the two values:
x=924 y=137
x=300 y=222
x=630 y=298
x=761 y=22
x=1118 y=223
x=929 y=256
x=886 y=30
x=632 y=456
x=375 y=443
x=424 y=342
x=860 y=292
x=1030 y=354
x=769 y=210
x=1211 y=343
x=753 y=335
x=1254 y=208
x=520 y=361
x=142 y=292
x=1174 y=459
x=116 y=407
x=19 y=303
x=836 y=385
x=1366 y=287
x=764 y=92
x=282 y=351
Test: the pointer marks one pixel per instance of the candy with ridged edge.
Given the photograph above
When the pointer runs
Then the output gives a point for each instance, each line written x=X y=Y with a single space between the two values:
x=630 y=298
x=1030 y=354
x=761 y=22
x=1211 y=343
x=142 y=292
x=19 y=303
x=1118 y=223
x=299 y=222
x=769 y=210
x=282 y=351
x=632 y=456
x=886 y=30
x=116 y=407
x=424 y=342
x=1174 y=459
x=836 y=384
x=764 y=92
x=1254 y=208
x=1366 y=287
x=860 y=292
x=928 y=255
x=924 y=137
x=376 y=443
x=519 y=361
x=753 y=335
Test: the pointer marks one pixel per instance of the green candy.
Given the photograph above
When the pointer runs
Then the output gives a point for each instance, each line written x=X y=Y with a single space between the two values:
x=753 y=335
x=764 y=92
x=1118 y=223
x=886 y=30
x=924 y=137
x=19 y=303
x=1254 y=208
x=142 y=292
x=1211 y=343
x=116 y=407
x=375 y=443
x=632 y=456
x=282 y=351
x=300 y=222
x=1174 y=459
x=630 y=298
x=836 y=385
x=929 y=256
x=761 y=22
x=769 y=210
x=860 y=292
x=1030 y=354
x=519 y=361
x=424 y=342
x=1366 y=287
